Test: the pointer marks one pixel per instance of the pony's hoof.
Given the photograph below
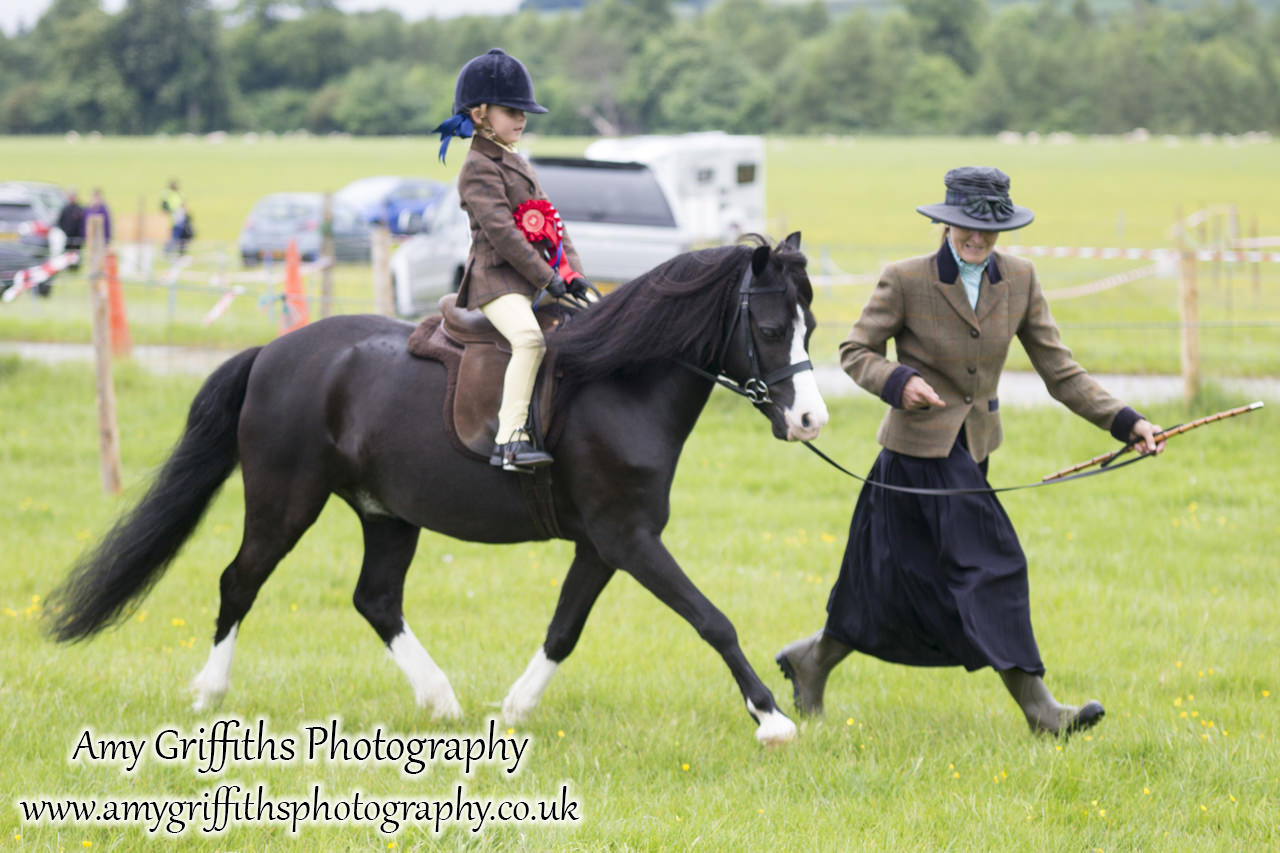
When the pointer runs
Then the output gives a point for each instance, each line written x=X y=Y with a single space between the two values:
x=513 y=712
x=448 y=710
x=775 y=727
x=206 y=699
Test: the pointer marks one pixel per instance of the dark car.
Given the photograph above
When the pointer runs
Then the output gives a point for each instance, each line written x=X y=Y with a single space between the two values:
x=280 y=217
x=400 y=202
x=28 y=211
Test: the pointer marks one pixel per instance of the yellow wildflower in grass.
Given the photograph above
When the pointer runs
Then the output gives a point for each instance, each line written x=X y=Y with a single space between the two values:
x=86 y=843
x=685 y=766
x=293 y=608
x=1177 y=703
x=849 y=722
x=1266 y=693
x=560 y=733
x=1146 y=791
x=177 y=623
x=9 y=611
x=142 y=616
x=828 y=538
x=511 y=731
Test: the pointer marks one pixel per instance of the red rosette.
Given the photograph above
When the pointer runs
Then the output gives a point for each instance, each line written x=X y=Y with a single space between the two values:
x=538 y=220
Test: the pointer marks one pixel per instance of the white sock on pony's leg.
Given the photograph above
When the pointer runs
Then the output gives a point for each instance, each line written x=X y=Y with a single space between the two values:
x=524 y=694
x=211 y=683
x=774 y=726
x=431 y=686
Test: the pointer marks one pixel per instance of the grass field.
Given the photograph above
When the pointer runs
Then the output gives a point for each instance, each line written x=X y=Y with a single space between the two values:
x=853 y=199
x=1153 y=589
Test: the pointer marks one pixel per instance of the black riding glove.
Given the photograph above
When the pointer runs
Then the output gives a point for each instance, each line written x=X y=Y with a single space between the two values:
x=556 y=287
x=579 y=286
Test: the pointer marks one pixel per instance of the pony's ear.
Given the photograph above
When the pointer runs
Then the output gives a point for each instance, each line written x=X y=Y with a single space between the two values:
x=759 y=259
x=793 y=240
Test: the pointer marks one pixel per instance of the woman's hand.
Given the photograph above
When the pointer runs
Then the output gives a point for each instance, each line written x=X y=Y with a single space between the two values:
x=918 y=394
x=1143 y=437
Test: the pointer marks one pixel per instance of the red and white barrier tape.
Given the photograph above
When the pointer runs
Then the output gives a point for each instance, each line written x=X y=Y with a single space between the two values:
x=1103 y=283
x=30 y=277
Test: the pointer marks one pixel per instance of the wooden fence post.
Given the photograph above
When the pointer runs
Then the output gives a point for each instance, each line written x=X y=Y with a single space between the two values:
x=327 y=258
x=108 y=432
x=382 y=296
x=1190 y=315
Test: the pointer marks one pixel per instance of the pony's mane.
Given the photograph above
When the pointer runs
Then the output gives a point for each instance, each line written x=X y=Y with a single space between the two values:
x=676 y=310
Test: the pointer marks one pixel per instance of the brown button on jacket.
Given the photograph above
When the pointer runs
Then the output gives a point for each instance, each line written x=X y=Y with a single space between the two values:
x=960 y=352
x=492 y=184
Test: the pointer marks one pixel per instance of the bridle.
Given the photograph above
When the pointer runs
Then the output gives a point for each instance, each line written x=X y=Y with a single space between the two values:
x=756 y=386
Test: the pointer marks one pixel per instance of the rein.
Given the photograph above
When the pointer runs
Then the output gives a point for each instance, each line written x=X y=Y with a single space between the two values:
x=756 y=386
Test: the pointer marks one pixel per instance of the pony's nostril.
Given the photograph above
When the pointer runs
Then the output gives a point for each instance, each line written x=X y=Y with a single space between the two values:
x=804 y=420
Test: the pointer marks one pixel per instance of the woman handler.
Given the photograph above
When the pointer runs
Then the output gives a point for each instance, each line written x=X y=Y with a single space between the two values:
x=940 y=580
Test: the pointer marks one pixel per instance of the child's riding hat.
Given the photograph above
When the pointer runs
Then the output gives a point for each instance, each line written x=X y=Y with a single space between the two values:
x=978 y=199
x=495 y=78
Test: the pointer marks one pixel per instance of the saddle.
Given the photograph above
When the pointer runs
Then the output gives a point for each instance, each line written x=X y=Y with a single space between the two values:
x=475 y=356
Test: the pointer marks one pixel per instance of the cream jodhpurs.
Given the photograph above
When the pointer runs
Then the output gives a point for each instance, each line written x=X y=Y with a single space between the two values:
x=512 y=315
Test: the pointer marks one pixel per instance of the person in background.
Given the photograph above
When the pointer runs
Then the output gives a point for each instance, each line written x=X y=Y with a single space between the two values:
x=71 y=224
x=98 y=207
x=940 y=579
x=175 y=205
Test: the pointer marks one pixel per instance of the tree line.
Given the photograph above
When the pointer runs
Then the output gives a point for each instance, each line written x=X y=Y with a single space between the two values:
x=629 y=66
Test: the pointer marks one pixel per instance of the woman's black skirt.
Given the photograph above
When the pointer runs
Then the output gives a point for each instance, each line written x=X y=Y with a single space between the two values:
x=934 y=580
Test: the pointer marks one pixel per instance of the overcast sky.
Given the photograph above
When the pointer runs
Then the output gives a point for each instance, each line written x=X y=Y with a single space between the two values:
x=17 y=13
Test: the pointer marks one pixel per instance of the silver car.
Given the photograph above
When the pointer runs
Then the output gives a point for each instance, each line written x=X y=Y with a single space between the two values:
x=280 y=217
x=618 y=215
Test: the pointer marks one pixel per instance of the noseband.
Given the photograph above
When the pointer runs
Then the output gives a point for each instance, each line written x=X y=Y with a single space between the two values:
x=756 y=387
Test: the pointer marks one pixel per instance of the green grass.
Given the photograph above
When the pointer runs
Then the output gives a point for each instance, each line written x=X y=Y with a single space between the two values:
x=1154 y=590
x=853 y=199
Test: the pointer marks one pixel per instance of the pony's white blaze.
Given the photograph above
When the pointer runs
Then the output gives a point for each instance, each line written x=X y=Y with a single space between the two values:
x=525 y=693
x=211 y=683
x=431 y=686
x=808 y=412
x=775 y=727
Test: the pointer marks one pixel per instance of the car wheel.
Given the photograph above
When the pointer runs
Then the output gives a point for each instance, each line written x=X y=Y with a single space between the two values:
x=248 y=259
x=44 y=288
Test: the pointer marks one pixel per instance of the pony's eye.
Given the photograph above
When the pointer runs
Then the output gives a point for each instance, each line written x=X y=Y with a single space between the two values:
x=772 y=333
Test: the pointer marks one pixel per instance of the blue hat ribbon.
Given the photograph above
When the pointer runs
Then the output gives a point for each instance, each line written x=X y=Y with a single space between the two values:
x=457 y=125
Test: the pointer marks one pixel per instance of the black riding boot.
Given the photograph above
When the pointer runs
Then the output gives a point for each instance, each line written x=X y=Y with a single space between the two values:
x=807 y=663
x=519 y=455
x=1043 y=712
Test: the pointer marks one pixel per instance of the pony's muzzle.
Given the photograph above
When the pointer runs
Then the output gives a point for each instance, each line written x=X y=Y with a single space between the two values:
x=807 y=414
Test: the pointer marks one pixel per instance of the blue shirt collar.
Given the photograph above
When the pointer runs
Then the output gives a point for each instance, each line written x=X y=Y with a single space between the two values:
x=949 y=265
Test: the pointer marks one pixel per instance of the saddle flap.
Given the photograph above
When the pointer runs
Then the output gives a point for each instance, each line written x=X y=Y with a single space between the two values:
x=475 y=355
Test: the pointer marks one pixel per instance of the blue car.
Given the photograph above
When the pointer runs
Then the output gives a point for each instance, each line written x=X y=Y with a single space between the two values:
x=401 y=202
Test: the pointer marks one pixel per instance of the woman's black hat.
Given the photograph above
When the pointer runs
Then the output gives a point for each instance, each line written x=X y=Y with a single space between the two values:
x=978 y=199
x=495 y=78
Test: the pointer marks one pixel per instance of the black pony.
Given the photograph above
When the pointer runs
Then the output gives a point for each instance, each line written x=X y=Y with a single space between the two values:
x=340 y=407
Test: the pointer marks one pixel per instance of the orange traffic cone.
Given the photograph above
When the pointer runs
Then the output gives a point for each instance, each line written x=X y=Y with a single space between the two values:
x=121 y=342
x=295 y=301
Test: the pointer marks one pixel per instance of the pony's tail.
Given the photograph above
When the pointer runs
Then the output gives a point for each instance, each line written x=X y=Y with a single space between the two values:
x=140 y=546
